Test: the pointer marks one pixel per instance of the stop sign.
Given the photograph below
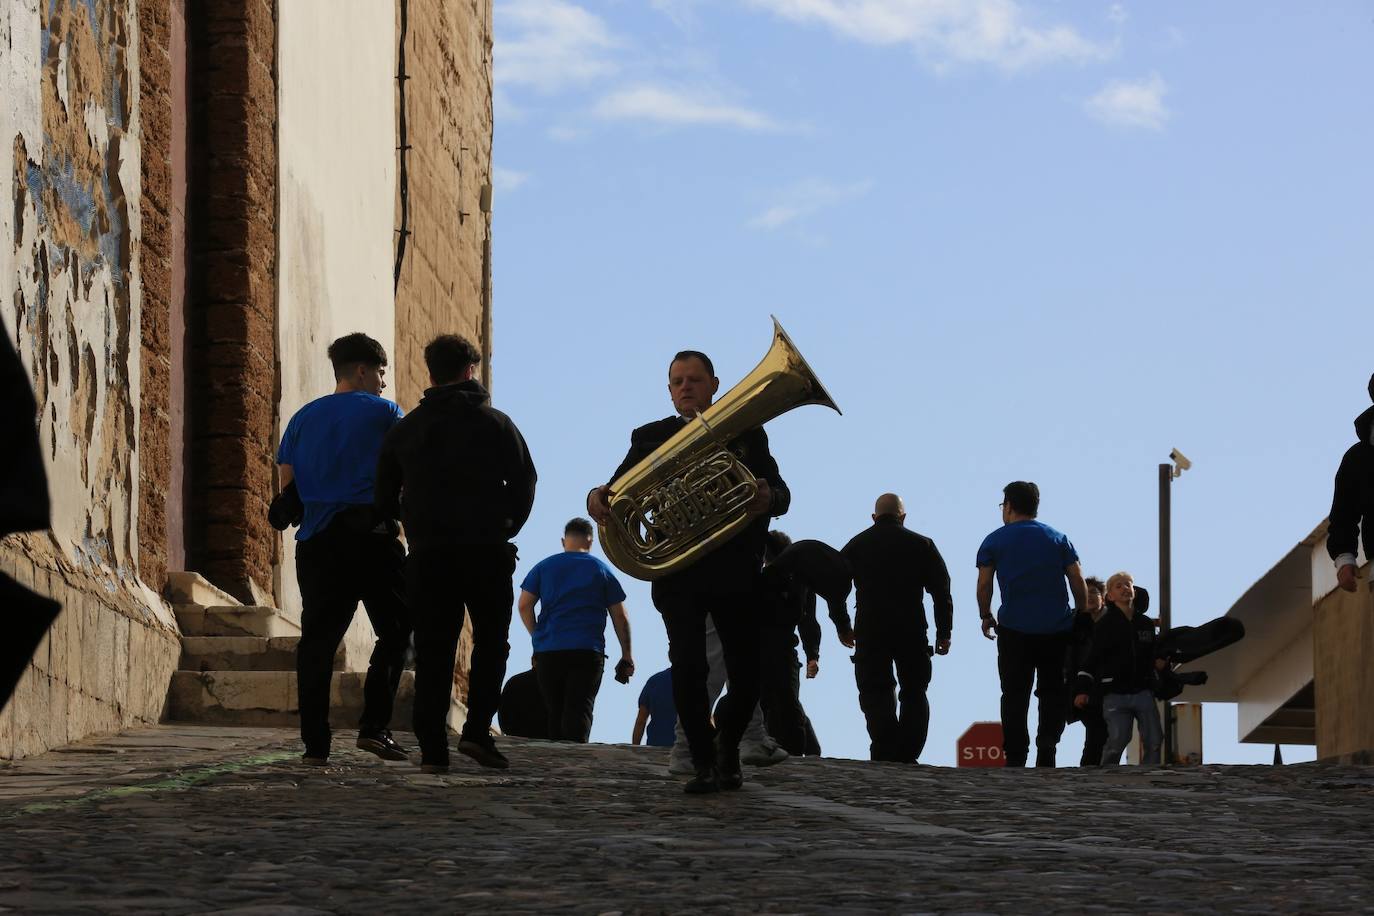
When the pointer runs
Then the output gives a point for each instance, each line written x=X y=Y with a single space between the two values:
x=980 y=746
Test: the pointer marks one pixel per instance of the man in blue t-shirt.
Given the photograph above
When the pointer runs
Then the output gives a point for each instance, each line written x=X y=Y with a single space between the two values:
x=346 y=552
x=575 y=592
x=1034 y=626
x=657 y=720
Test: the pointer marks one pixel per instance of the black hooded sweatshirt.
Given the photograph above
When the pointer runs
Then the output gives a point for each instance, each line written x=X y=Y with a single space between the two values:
x=1352 y=505
x=456 y=471
x=1121 y=656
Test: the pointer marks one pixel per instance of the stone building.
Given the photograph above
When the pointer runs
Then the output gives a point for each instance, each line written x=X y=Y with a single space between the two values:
x=200 y=195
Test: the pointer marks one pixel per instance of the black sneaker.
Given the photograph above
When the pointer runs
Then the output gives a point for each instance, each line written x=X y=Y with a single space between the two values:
x=433 y=767
x=314 y=760
x=382 y=744
x=705 y=782
x=484 y=751
x=729 y=774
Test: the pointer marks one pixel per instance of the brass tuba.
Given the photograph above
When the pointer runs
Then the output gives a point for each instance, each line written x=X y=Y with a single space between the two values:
x=689 y=496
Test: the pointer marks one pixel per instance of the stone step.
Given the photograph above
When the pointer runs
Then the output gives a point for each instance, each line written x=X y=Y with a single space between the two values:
x=192 y=588
x=268 y=698
x=244 y=653
x=233 y=620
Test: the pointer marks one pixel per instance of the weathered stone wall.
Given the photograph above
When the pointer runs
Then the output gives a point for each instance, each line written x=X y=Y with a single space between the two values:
x=71 y=294
x=232 y=293
x=444 y=284
x=445 y=278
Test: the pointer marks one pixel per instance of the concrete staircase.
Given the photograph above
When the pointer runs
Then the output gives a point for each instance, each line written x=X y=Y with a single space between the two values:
x=238 y=665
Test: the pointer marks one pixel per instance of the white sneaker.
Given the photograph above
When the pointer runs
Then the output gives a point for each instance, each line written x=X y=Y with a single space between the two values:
x=762 y=753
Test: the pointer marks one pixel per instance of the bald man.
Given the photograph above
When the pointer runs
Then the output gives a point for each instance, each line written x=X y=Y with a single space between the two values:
x=893 y=569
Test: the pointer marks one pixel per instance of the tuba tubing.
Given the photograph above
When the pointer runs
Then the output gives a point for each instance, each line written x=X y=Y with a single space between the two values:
x=690 y=495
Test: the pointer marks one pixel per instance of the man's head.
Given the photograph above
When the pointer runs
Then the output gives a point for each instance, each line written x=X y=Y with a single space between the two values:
x=1371 y=387
x=1121 y=590
x=889 y=505
x=692 y=382
x=577 y=535
x=776 y=543
x=451 y=358
x=359 y=364
x=1097 y=591
x=1020 y=499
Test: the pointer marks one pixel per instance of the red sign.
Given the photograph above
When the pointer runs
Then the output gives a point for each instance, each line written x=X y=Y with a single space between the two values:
x=980 y=746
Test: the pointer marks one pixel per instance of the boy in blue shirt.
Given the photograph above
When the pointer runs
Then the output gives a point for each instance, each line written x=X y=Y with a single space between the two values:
x=346 y=552
x=656 y=723
x=576 y=592
x=1034 y=626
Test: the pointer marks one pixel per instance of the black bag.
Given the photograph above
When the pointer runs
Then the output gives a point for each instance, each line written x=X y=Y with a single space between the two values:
x=287 y=509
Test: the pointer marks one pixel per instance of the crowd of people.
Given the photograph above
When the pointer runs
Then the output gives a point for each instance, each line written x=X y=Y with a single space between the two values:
x=456 y=474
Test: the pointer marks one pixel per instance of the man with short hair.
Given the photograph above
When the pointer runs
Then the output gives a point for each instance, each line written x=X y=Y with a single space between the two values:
x=346 y=551
x=1034 y=626
x=1094 y=725
x=575 y=592
x=1352 y=503
x=893 y=570
x=722 y=584
x=458 y=472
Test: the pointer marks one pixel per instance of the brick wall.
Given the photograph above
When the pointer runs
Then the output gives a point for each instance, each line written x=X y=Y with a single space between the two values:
x=449 y=129
x=232 y=292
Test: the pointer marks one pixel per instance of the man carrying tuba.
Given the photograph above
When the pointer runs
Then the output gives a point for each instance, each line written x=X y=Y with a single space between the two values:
x=722 y=584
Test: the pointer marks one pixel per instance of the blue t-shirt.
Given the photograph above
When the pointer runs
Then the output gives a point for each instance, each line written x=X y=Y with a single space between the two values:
x=1030 y=558
x=332 y=445
x=657 y=697
x=574 y=590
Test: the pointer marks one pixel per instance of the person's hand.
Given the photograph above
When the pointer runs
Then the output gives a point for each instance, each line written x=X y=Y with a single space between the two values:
x=1161 y=664
x=989 y=626
x=763 y=499
x=624 y=669
x=1345 y=577
x=847 y=640
x=813 y=667
x=942 y=647
x=597 y=506
x=1080 y=701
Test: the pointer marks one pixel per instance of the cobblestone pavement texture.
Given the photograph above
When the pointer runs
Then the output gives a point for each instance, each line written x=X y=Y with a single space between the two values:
x=224 y=820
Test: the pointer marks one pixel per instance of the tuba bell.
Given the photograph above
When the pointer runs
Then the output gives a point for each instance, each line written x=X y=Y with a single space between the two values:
x=690 y=495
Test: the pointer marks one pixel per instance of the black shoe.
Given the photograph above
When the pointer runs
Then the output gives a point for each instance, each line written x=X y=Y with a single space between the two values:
x=729 y=775
x=484 y=751
x=433 y=767
x=705 y=782
x=383 y=745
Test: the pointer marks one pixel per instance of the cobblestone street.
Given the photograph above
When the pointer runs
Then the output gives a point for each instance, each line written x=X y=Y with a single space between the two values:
x=197 y=819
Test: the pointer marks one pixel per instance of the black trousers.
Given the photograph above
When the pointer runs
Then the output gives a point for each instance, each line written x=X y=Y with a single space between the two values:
x=1094 y=734
x=1024 y=660
x=780 y=692
x=737 y=624
x=569 y=680
x=445 y=585
x=336 y=569
x=896 y=710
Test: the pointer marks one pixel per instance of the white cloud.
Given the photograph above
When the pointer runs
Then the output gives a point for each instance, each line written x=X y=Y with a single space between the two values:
x=805 y=198
x=550 y=45
x=1123 y=103
x=1117 y=13
x=679 y=108
x=507 y=179
x=995 y=32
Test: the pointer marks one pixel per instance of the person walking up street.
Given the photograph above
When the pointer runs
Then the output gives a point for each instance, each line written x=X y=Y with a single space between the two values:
x=1352 y=503
x=575 y=593
x=1030 y=562
x=459 y=474
x=1094 y=725
x=893 y=569
x=346 y=551
x=1123 y=663
x=657 y=717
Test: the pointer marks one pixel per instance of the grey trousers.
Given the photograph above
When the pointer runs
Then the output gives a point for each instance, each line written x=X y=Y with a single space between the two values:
x=715 y=686
x=1122 y=709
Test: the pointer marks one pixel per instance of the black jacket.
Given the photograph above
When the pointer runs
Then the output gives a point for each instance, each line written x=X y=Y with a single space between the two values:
x=794 y=579
x=893 y=569
x=1121 y=656
x=1352 y=504
x=456 y=471
x=734 y=566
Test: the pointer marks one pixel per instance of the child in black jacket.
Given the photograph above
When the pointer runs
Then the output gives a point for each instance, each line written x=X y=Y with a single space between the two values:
x=1122 y=663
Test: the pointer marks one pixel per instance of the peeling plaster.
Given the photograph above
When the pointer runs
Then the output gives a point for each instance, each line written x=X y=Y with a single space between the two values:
x=69 y=239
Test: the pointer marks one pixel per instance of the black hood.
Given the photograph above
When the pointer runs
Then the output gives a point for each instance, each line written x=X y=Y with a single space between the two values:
x=462 y=395
x=1363 y=425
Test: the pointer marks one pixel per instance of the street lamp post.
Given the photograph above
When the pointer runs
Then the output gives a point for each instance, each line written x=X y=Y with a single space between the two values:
x=1167 y=473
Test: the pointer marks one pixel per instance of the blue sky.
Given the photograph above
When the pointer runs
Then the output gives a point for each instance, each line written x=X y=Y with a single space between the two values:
x=1042 y=241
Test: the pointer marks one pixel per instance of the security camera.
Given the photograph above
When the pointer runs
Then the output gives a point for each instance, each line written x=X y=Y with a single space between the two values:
x=1182 y=462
